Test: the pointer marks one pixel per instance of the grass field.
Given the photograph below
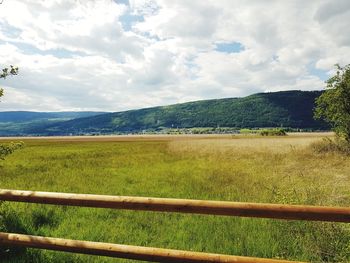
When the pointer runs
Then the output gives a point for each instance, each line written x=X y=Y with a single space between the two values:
x=232 y=168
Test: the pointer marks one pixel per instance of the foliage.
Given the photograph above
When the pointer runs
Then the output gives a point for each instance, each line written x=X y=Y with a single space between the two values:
x=273 y=132
x=6 y=72
x=8 y=221
x=9 y=71
x=334 y=104
x=7 y=149
x=328 y=145
x=266 y=132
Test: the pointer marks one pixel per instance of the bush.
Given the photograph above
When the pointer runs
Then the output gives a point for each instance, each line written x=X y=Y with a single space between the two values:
x=273 y=132
x=328 y=145
x=7 y=149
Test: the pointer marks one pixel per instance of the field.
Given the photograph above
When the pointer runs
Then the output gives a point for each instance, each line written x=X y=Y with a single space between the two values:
x=230 y=168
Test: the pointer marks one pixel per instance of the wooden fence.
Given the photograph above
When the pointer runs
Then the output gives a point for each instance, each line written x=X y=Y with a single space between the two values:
x=277 y=211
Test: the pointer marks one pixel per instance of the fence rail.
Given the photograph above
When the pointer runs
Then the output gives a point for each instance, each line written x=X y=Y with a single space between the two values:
x=277 y=211
x=125 y=251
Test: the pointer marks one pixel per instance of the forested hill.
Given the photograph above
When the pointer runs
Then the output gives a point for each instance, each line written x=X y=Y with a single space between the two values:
x=24 y=122
x=287 y=109
x=25 y=116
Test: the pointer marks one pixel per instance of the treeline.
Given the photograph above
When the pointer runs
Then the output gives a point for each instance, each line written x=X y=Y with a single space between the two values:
x=292 y=109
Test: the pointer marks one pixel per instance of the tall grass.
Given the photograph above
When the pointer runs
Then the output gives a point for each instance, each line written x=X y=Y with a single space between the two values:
x=277 y=170
x=332 y=146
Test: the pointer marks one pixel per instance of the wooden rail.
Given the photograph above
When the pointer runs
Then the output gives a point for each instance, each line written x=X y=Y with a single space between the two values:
x=124 y=251
x=291 y=212
x=278 y=211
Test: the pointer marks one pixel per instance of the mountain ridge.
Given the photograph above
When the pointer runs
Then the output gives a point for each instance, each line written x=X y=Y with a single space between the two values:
x=21 y=116
x=14 y=123
x=292 y=109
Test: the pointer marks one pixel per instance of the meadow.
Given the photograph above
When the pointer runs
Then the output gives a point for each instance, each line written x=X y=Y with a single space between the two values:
x=228 y=168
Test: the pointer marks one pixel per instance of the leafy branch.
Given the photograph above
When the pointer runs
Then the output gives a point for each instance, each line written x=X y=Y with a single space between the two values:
x=9 y=71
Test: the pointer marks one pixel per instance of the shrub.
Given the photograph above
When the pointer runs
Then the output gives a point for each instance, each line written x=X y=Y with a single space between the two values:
x=6 y=149
x=273 y=132
x=328 y=145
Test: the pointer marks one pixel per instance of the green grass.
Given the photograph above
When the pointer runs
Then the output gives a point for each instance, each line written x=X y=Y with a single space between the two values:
x=276 y=170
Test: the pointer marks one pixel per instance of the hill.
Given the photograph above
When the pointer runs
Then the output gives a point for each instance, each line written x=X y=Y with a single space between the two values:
x=292 y=109
x=24 y=116
x=20 y=122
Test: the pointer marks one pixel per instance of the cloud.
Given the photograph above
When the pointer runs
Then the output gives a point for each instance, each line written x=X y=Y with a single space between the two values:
x=119 y=55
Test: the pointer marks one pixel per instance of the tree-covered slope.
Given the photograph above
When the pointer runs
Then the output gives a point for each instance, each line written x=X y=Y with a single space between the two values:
x=24 y=116
x=288 y=109
x=22 y=122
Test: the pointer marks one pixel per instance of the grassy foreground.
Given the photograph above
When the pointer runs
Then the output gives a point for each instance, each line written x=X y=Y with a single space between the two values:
x=251 y=169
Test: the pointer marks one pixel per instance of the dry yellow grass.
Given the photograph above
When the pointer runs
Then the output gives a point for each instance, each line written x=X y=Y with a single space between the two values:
x=247 y=144
x=286 y=166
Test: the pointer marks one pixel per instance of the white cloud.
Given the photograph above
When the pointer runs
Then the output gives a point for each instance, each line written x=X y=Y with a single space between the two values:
x=18 y=99
x=80 y=55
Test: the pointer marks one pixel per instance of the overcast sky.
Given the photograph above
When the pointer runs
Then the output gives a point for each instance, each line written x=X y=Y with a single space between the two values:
x=118 y=55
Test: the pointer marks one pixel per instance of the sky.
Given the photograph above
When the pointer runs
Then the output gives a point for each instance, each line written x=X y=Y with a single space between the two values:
x=117 y=55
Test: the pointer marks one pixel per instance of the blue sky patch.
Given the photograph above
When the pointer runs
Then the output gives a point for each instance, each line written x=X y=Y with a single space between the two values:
x=9 y=30
x=322 y=74
x=30 y=49
x=122 y=2
x=128 y=20
x=233 y=47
